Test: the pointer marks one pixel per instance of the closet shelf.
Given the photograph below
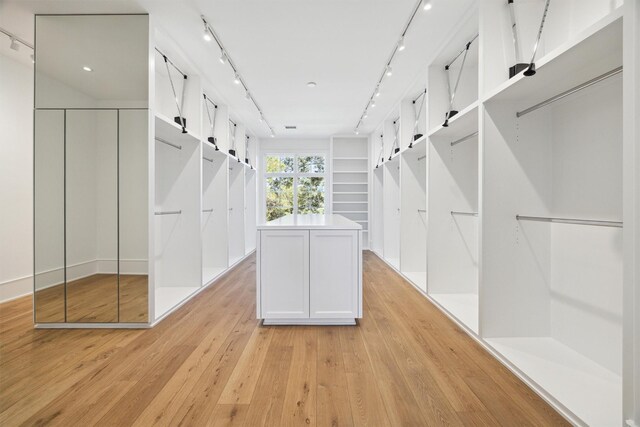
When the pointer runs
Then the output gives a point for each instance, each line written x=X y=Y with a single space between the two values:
x=591 y=53
x=349 y=192
x=170 y=131
x=461 y=125
x=588 y=390
x=350 y=183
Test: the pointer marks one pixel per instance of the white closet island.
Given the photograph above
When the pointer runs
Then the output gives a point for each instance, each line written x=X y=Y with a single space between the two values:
x=309 y=270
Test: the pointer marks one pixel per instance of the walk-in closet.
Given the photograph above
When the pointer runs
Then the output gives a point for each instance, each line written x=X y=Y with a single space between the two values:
x=314 y=213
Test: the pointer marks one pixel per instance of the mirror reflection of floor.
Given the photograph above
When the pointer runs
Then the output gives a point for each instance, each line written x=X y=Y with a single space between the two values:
x=95 y=299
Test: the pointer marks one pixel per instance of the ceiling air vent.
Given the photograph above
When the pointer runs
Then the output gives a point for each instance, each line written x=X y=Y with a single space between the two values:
x=291 y=127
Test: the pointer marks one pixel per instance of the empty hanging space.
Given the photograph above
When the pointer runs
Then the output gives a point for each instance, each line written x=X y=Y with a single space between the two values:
x=177 y=216
x=453 y=226
x=214 y=213
x=236 y=212
x=552 y=230
x=413 y=214
x=250 y=182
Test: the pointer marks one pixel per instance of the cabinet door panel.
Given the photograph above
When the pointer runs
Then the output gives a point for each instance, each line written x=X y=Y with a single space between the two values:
x=284 y=274
x=334 y=274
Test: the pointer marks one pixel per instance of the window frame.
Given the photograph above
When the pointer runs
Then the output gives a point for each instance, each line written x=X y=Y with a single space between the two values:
x=295 y=175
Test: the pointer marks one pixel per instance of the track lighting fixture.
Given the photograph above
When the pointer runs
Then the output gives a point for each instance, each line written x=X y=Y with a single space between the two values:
x=273 y=134
x=206 y=35
x=33 y=60
x=356 y=131
x=365 y=115
x=226 y=59
x=14 y=44
x=388 y=70
x=401 y=45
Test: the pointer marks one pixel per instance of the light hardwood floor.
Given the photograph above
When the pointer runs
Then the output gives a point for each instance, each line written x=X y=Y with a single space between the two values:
x=210 y=363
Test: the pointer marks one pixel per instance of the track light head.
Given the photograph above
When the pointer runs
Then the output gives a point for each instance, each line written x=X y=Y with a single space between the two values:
x=247 y=95
x=426 y=5
x=33 y=59
x=389 y=70
x=223 y=57
x=14 y=44
x=401 y=45
x=236 y=79
x=377 y=92
x=206 y=35
x=373 y=104
x=356 y=131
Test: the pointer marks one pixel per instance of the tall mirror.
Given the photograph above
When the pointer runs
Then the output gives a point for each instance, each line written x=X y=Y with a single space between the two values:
x=91 y=169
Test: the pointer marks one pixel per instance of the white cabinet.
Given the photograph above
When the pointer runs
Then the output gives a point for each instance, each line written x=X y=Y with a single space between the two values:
x=284 y=274
x=309 y=271
x=334 y=268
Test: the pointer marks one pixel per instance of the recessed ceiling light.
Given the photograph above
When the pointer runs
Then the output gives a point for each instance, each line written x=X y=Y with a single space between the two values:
x=312 y=84
x=89 y=69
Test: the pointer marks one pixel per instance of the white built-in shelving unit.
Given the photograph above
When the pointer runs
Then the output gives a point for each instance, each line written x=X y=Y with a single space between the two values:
x=510 y=218
x=182 y=209
x=204 y=194
x=350 y=180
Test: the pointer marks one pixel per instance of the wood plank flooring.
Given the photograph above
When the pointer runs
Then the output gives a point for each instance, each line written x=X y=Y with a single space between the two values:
x=211 y=363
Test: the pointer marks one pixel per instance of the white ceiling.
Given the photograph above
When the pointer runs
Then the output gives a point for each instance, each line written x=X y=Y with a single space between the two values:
x=280 y=45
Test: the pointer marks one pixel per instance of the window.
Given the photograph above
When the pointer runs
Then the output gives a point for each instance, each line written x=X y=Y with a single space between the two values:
x=294 y=184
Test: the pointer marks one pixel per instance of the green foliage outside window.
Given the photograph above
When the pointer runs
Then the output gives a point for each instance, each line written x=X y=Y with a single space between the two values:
x=280 y=192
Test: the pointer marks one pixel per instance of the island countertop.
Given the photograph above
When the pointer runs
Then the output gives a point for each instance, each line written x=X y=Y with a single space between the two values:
x=311 y=222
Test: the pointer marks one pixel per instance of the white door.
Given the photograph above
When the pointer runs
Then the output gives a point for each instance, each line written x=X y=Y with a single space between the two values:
x=284 y=274
x=334 y=268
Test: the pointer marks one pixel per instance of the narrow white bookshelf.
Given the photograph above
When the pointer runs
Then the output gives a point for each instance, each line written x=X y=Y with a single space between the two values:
x=350 y=180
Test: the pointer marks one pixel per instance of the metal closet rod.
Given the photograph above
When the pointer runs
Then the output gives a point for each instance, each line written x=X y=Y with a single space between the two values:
x=464 y=213
x=466 y=46
x=169 y=212
x=207 y=210
x=207 y=159
x=422 y=157
x=179 y=147
x=170 y=62
x=464 y=138
x=422 y=210
x=595 y=222
x=570 y=91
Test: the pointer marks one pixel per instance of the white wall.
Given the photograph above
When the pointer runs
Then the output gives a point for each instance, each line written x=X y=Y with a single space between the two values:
x=293 y=146
x=16 y=177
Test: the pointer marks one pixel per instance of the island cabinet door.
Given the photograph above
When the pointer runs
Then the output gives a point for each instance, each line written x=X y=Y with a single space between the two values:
x=284 y=274
x=334 y=283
